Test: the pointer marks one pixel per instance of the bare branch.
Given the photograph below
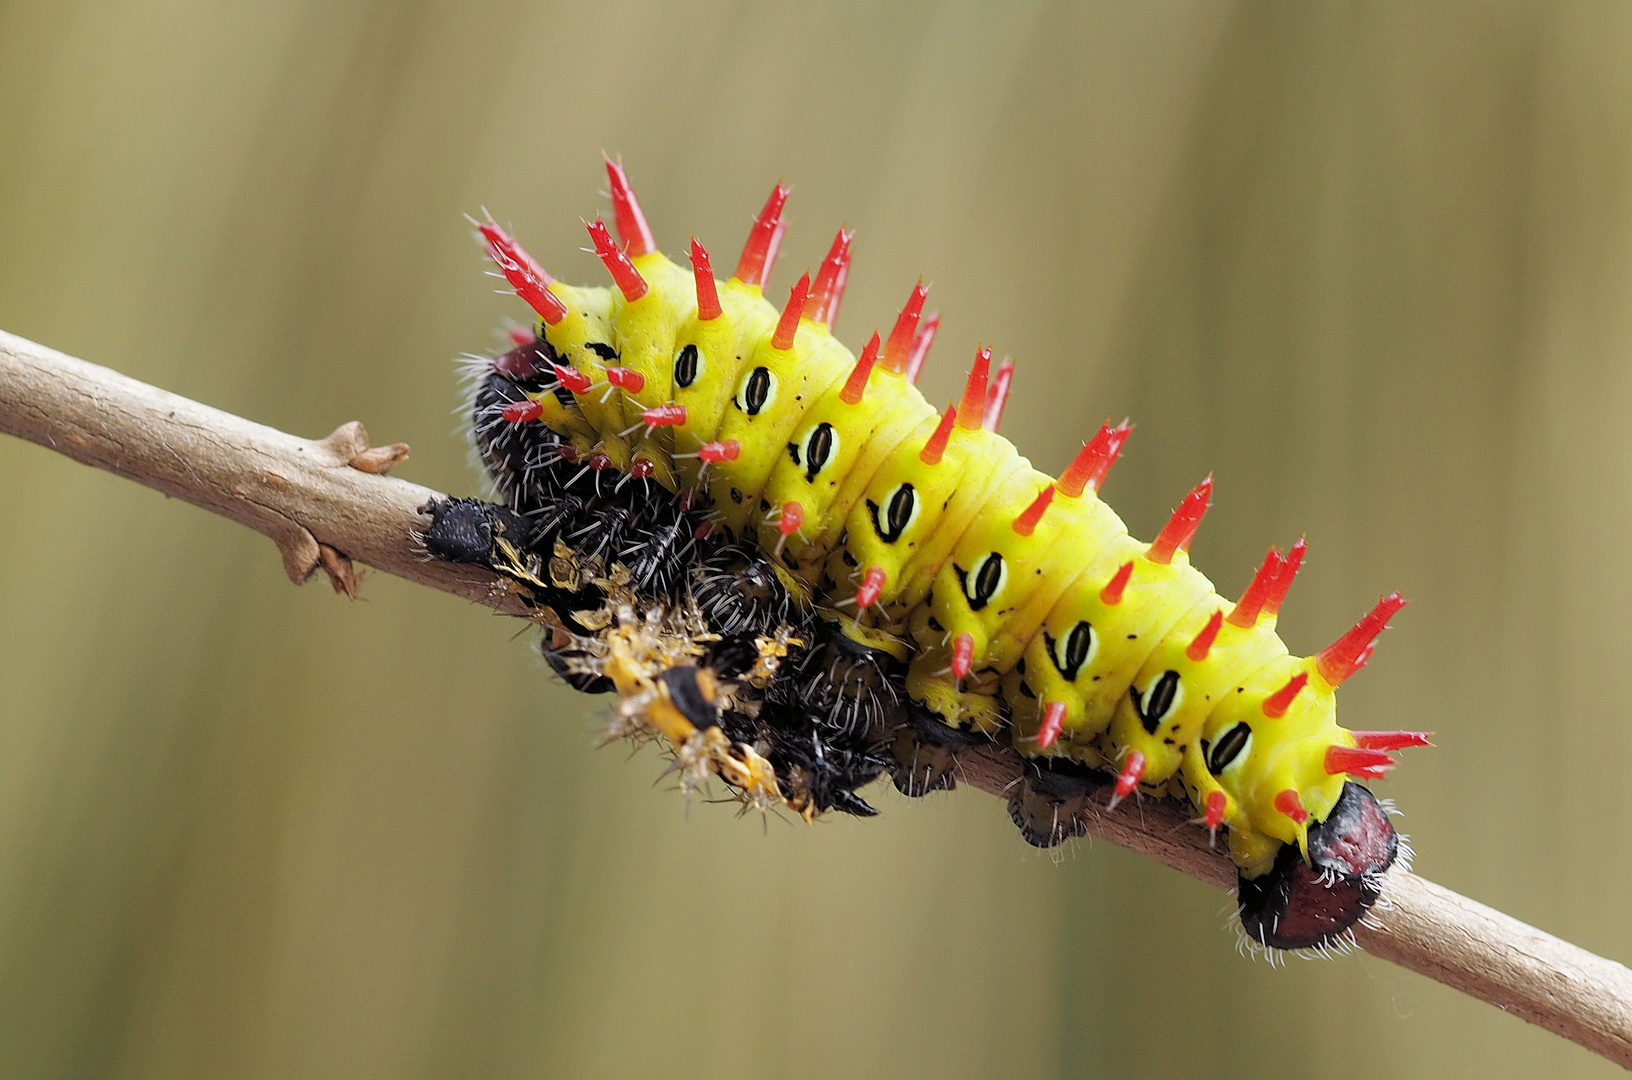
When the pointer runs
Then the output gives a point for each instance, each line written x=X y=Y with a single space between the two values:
x=303 y=495
x=327 y=502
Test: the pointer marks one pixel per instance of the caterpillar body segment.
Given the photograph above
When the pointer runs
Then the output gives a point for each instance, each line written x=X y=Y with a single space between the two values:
x=836 y=444
x=863 y=582
x=1094 y=642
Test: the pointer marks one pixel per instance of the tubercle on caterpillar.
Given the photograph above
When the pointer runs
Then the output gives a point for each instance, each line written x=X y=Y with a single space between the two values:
x=798 y=575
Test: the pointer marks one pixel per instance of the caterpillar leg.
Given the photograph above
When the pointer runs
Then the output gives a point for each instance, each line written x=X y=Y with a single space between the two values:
x=1300 y=905
x=925 y=752
x=1051 y=803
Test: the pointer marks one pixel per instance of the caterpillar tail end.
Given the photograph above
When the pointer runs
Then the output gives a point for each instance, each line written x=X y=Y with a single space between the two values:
x=1300 y=904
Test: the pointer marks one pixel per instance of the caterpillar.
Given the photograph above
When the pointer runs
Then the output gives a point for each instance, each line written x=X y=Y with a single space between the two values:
x=798 y=576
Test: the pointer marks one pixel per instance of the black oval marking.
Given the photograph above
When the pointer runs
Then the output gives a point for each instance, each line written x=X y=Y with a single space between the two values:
x=602 y=349
x=685 y=367
x=1078 y=644
x=757 y=390
x=899 y=513
x=896 y=516
x=1158 y=699
x=982 y=586
x=818 y=448
x=1228 y=748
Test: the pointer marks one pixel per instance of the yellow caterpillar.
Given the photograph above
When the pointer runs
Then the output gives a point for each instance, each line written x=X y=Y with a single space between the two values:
x=1020 y=606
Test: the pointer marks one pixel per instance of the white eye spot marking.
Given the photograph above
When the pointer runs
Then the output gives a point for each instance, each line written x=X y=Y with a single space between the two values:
x=1230 y=750
x=1158 y=700
x=986 y=581
x=756 y=392
x=1075 y=650
x=820 y=446
x=688 y=366
x=898 y=514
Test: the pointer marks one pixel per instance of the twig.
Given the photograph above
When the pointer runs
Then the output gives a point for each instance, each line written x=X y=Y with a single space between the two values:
x=327 y=502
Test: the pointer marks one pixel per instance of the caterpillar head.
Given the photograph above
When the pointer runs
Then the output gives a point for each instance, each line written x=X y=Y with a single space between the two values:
x=1303 y=903
x=1258 y=763
x=1273 y=765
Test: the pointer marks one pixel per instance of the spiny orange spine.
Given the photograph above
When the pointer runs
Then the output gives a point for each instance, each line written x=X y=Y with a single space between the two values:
x=1111 y=594
x=1202 y=644
x=1288 y=803
x=788 y=324
x=1252 y=601
x=829 y=288
x=872 y=586
x=1391 y=740
x=1284 y=578
x=774 y=248
x=572 y=379
x=525 y=276
x=754 y=266
x=963 y=655
x=1128 y=779
x=793 y=516
x=520 y=412
x=972 y=409
x=1348 y=759
x=856 y=385
x=1181 y=527
x=720 y=451
x=1349 y=653
x=1087 y=470
x=623 y=272
x=1217 y=802
x=838 y=291
x=632 y=228
x=997 y=395
x=899 y=347
x=1026 y=523
x=920 y=345
x=670 y=415
x=1053 y=721
x=936 y=446
x=708 y=293
x=1276 y=704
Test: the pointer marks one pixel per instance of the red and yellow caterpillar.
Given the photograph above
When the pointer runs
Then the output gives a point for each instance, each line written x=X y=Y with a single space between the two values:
x=912 y=551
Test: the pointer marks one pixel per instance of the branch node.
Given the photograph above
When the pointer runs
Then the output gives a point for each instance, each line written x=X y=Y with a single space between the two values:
x=348 y=443
x=379 y=460
x=338 y=567
x=301 y=552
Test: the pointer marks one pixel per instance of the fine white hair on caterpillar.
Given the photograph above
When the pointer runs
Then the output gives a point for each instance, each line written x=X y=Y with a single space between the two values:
x=799 y=576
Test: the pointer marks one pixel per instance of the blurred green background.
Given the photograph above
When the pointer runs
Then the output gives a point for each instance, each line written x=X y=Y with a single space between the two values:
x=1371 y=264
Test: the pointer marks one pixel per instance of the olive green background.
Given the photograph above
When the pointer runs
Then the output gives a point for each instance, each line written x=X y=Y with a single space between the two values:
x=1370 y=264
